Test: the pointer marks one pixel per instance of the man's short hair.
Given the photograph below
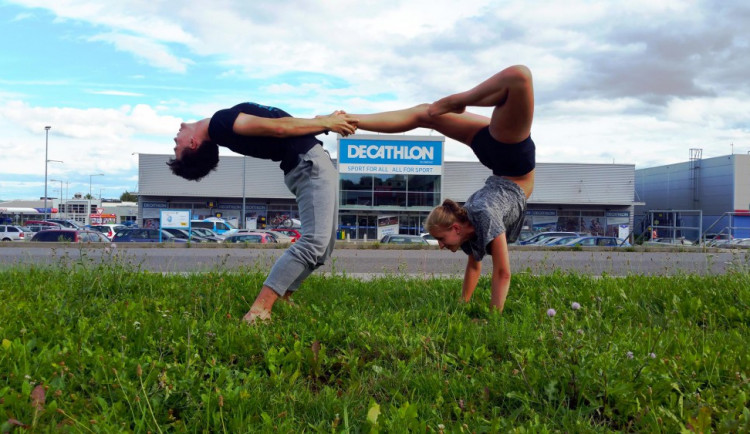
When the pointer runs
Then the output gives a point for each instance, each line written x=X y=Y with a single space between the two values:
x=195 y=164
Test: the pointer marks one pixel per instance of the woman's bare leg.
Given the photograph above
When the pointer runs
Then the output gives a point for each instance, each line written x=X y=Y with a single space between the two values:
x=461 y=127
x=510 y=91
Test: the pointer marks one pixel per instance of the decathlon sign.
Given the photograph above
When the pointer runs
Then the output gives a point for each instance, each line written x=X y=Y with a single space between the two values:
x=408 y=155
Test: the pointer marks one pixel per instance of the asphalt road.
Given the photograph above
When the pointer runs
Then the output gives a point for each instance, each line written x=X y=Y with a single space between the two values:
x=370 y=262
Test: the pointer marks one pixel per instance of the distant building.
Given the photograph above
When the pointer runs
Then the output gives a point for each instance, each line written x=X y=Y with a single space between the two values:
x=82 y=211
x=714 y=186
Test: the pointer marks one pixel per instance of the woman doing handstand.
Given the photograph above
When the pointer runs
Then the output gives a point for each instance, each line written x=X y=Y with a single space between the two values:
x=493 y=216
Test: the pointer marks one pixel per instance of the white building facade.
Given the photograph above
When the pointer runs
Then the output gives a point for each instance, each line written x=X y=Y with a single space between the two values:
x=394 y=181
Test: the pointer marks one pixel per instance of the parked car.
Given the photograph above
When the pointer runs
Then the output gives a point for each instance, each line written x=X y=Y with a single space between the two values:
x=108 y=229
x=430 y=239
x=251 y=237
x=280 y=237
x=598 y=241
x=185 y=235
x=14 y=233
x=668 y=242
x=536 y=239
x=70 y=235
x=36 y=228
x=143 y=235
x=740 y=242
x=557 y=241
x=66 y=223
x=525 y=235
x=219 y=226
x=719 y=240
x=294 y=234
x=208 y=234
x=403 y=239
x=31 y=223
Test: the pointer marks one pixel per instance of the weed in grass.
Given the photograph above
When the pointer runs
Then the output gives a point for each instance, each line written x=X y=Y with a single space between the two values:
x=119 y=349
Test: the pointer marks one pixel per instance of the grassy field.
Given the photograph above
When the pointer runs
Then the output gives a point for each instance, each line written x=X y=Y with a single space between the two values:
x=110 y=349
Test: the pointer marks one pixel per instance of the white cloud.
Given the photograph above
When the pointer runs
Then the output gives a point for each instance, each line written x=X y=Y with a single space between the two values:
x=22 y=16
x=148 y=50
x=87 y=140
x=638 y=82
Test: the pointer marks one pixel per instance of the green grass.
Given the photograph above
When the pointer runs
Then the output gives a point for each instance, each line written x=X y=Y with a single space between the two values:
x=119 y=350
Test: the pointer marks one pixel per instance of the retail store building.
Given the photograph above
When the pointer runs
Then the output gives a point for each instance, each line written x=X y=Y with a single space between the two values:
x=390 y=183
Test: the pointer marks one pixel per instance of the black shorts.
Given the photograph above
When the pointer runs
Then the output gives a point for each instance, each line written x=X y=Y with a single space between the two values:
x=502 y=158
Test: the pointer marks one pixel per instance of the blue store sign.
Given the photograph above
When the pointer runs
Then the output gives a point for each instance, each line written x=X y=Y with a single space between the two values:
x=409 y=157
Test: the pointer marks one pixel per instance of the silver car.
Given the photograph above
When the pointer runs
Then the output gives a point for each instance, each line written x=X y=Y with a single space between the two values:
x=14 y=233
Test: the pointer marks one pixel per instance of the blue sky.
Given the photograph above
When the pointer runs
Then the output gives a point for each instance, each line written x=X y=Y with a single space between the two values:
x=638 y=82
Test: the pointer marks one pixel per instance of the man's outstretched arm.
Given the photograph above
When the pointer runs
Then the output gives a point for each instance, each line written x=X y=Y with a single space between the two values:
x=249 y=125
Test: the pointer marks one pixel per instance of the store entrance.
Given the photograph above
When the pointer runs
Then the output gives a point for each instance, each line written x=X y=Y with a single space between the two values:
x=367 y=227
x=357 y=226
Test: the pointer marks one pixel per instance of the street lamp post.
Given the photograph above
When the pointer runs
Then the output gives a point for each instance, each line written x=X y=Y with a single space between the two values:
x=243 y=219
x=91 y=176
x=46 y=160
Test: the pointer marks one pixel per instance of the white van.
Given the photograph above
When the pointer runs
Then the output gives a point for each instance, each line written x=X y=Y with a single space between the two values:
x=219 y=226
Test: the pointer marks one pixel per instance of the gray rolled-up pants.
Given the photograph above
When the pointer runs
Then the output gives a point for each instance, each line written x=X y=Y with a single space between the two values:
x=314 y=182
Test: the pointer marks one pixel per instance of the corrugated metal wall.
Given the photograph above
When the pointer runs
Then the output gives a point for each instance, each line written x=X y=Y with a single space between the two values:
x=671 y=186
x=603 y=184
x=596 y=184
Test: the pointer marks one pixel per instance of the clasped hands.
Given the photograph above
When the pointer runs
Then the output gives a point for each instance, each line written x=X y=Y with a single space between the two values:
x=340 y=122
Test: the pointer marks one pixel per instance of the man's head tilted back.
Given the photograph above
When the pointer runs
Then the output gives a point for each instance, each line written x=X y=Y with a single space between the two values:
x=193 y=160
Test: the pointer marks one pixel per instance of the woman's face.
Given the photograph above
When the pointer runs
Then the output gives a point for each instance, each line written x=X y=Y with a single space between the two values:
x=449 y=238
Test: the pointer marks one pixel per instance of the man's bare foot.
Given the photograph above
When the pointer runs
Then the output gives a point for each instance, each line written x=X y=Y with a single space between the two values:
x=254 y=317
x=449 y=104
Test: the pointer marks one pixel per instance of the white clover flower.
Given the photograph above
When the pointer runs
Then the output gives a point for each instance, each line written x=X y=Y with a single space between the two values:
x=575 y=305
x=652 y=355
x=551 y=312
x=629 y=354
x=579 y=331
x=137 y=325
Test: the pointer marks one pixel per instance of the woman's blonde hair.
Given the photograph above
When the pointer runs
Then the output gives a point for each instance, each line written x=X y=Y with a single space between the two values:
x=445 y=215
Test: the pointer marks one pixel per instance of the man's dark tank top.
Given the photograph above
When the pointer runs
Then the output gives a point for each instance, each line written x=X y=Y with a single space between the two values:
x=286 y=149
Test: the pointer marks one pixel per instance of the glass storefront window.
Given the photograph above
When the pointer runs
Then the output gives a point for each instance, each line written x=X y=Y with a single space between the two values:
x=389 y=182
x=618 y=227
x=389 y=190
x=356 y=198
x=423 y=199
x=411 y=224
x=355 y=181
x=390 y=198
x=424 y=183
x=592 y=224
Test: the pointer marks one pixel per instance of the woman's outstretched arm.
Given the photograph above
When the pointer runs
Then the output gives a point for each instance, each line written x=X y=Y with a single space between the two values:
x=500 y=272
